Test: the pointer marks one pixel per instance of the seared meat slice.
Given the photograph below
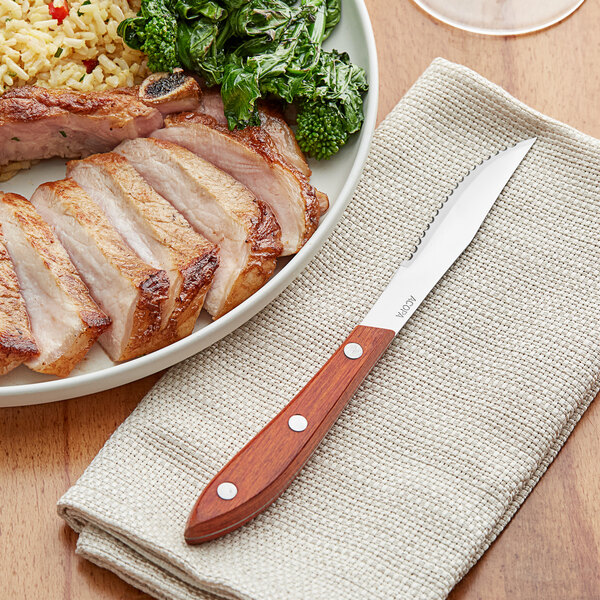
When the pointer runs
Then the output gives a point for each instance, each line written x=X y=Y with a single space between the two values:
x=64 y=319
x=37 y=123
x=211 y=104
x=272 y=125
x=130 y=291
x=221 y=209
x=155 y=231
x=271 y=121
x=283 y=137
x=16 y=340
x=249 y=156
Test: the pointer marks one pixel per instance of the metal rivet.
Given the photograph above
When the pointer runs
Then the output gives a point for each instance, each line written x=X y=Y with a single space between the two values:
x=297 y=423
x=353 y=350
x=227 y=491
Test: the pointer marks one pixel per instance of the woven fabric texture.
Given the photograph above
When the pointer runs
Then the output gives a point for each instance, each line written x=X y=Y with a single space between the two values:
x=450 y=431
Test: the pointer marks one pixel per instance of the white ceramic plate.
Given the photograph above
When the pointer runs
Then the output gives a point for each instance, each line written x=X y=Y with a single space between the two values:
x=337 y=177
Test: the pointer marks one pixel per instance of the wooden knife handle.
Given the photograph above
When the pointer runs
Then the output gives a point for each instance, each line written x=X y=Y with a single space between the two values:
x=260 y=472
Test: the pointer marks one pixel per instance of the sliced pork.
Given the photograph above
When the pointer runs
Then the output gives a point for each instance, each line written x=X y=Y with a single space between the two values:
x=250 y=156
x=155 y=231
x=280 y=132
x=271 y=121
x=129 y=290
x=17 y=343
x=38 y=123
x=221 y=209
x=211 y=104
x=65 y=321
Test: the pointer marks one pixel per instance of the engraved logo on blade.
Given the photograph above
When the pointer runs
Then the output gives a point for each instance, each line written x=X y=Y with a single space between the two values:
x=408 y=304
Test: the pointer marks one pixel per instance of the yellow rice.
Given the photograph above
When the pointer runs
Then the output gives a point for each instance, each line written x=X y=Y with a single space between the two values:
x=36 y=50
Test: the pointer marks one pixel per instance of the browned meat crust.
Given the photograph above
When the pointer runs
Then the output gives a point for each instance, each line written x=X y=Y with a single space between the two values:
x=31 y=103
x=16 y=340
x=197 y=277
x=256 y=218
x=265 y=234
x=37 y=123
x=152 y=284
x=189 y=253
x=272 y=121
x=56 y=261
x=257 y=140
x=146 y=324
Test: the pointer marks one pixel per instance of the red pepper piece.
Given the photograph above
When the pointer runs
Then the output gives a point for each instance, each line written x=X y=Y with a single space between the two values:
x=90 y=64
x=60 y=12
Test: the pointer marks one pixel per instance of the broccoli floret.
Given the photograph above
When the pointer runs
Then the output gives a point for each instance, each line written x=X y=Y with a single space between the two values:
x=160 y=36
x=154 y=31
x=321 y=128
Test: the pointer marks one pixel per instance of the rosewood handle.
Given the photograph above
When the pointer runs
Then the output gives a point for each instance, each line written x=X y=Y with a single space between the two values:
x=255 y=477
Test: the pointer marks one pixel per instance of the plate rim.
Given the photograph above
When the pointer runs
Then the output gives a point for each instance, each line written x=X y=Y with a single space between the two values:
x=111 y=377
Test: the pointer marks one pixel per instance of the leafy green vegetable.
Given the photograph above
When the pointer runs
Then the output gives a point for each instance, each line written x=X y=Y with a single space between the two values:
x=334 y=14
x=335 y=107
x=337 y=79
x=253 y=48
x=190 y=9
x=261 y=17
x=240 y=89
x=197 y=49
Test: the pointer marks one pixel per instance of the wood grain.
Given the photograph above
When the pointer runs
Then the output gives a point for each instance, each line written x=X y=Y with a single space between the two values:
x=266 y=465
x=550 y=549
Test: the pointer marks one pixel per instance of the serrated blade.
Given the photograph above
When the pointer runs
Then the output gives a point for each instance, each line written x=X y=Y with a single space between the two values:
x=448 y=235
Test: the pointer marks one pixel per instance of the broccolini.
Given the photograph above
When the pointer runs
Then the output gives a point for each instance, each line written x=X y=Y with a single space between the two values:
x=256 y=48
x=321 y=129
x=154 y=32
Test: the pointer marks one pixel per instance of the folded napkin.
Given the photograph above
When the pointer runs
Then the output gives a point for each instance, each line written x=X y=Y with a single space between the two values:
x=452 y=428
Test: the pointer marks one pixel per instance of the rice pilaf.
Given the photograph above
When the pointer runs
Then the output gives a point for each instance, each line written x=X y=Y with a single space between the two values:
x=36 y=49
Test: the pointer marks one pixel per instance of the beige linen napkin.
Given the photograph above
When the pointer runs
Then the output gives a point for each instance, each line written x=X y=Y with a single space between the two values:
x=453 y=427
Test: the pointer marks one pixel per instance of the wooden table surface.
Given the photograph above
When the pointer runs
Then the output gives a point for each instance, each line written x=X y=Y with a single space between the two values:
x=551 y=549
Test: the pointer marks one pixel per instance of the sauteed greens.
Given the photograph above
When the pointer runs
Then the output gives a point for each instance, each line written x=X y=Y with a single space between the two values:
x=253 y=48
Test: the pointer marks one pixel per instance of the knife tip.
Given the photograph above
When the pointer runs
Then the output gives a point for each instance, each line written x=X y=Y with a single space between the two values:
x=528 y=143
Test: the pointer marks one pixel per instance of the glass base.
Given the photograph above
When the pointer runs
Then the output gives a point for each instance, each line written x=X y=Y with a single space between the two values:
x=500 y=17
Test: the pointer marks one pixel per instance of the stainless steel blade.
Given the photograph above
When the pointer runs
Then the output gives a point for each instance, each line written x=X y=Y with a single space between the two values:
x=451 y=231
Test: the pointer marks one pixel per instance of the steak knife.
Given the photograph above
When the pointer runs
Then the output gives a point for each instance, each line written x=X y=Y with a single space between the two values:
x=254 y=478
